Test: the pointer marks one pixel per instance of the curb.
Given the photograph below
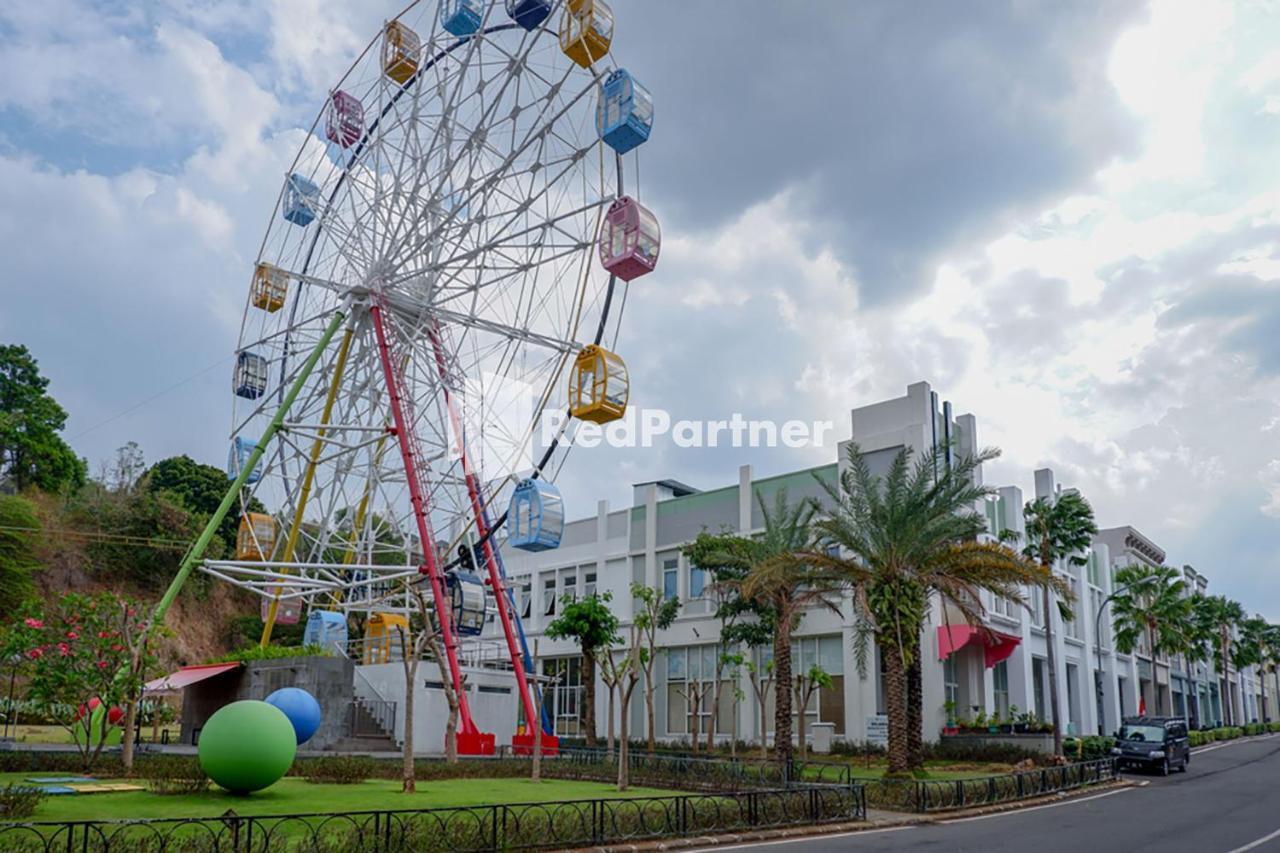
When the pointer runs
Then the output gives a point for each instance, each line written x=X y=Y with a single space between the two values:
x=849 y=827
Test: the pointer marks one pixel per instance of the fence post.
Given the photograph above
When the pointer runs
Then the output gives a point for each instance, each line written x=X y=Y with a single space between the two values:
x=991 y=789
x=493 y=828
x=960 y=792
x=1021 y=790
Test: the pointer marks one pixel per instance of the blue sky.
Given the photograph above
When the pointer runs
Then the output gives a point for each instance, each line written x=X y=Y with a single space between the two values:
x=1066 y=217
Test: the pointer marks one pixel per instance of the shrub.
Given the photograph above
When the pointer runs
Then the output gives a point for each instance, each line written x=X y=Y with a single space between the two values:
x=1200 y=738
x=1273 y=727
x=18 y=802
x=177 y=774
x=1254 y=728
x=1227 y=732
x=1088 y=748
x=340 y=769
x=961 y=749
x=271 y=652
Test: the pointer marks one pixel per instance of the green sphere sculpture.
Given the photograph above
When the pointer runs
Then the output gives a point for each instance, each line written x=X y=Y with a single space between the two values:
x=247 y=746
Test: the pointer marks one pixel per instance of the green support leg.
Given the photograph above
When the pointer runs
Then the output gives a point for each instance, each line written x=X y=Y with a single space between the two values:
x=197 y=550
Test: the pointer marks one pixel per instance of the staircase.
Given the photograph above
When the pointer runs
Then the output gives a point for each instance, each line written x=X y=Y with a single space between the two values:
x=367 y=728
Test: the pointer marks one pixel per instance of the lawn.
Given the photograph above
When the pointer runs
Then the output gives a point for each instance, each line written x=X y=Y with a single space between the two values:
x=297 y=796
x=57 y=734
x=859 y=768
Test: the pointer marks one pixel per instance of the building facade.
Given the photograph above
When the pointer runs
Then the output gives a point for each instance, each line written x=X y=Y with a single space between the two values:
x=1002 y=670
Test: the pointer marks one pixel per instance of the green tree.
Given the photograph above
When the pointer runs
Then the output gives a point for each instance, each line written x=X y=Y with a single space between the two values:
x=31 y=451
x=1059 y=529
x=19 y=528
x=591 y=623
x=199 y=488
x=1252 y=648
x=79 y=648
x=782 y=580
x=654 y=612
x=898 y=538
x=1151 y=604
x=1220 y=616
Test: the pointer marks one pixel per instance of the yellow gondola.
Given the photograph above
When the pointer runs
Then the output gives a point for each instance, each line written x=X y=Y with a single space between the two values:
x=256 y=538
x=400 y=49
x=598 y=386
x=382 y=636
x=270 y=286
x=586 y=31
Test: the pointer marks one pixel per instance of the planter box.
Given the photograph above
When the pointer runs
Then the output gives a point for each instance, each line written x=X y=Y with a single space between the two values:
x=1037 y=742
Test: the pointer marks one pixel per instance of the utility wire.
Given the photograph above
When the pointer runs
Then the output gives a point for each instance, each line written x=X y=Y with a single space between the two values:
x=152 y=398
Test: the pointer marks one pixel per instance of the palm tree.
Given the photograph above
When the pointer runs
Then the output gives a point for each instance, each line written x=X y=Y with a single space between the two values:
x=1252 y=648
x=1153 y=605
x=1058 y=528
x=1198 y=643
x=1220 y=615
x=902 y=538
x=788 y=586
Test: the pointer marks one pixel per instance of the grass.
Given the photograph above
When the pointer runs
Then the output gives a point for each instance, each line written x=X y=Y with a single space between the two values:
x=859 y=768
x=57 y=734
x=298 y=796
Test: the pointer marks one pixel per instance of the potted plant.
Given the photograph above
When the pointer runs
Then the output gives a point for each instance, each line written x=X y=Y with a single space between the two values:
x=1019 y=720
x=1006 y=725
x=951 y=728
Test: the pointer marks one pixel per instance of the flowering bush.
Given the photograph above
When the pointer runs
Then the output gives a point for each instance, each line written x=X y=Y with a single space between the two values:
x=80 y=648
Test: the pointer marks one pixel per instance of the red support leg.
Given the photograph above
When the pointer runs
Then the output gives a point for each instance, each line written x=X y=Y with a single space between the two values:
x=470 y=739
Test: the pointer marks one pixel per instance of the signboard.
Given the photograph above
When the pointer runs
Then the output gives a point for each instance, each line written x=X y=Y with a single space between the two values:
x=878 y=729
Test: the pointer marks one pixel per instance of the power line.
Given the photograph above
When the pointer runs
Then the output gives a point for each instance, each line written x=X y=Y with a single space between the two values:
x=100 y=536
x=152 y=398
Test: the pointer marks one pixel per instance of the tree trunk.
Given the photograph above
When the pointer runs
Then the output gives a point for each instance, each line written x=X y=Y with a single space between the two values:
x=648 y=708
x=613 y=690
x=1227 y=715
x=895 y=702
x=802 y=702
x=624 y=747
x=1052 y=661
x=408 y=777
x=127 y=739
x=589 y=698
x=1155 y=682
x=782 y=746
x=715 y=705
x=763 y=696
x=915 y=713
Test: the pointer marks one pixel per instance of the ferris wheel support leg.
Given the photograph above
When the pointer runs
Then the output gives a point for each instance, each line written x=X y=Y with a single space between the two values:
x=496 y=584
x=308 y=478
x=468 y=731
x=197 y=550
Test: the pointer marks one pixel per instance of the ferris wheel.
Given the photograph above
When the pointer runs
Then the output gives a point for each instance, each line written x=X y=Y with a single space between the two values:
x=447 y=264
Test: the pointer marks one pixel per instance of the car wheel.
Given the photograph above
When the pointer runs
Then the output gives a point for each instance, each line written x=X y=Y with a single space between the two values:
x=1186 y=762
x=1164 y=767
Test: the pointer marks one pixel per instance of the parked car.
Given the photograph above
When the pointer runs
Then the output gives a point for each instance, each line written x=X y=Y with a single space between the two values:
x=1153 y=743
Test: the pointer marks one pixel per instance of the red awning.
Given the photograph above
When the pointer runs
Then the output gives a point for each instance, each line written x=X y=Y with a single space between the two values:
x=187 y=676
x=952 y=638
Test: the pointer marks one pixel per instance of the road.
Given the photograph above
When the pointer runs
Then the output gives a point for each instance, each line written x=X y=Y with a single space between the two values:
x=1227 y=802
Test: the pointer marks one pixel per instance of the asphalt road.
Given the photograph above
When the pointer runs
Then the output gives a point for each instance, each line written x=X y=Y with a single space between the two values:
x=1227 y=802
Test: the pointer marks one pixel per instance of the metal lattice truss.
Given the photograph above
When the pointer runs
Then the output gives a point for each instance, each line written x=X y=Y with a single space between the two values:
x=469 y=213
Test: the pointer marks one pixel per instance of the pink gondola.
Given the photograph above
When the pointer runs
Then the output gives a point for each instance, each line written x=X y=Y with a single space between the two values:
x=345 y=119
x=631 y=239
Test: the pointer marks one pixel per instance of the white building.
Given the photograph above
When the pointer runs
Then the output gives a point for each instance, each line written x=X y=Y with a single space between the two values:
x=996 y=671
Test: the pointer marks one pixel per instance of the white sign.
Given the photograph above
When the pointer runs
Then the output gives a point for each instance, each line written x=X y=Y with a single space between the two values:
x=878 y=729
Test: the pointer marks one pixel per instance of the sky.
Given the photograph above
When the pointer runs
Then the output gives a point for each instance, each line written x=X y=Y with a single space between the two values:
x=1064 y=216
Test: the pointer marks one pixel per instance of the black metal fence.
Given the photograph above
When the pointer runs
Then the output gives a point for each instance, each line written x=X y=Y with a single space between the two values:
x=704 y=773
x=932 y=795
x=576 y=823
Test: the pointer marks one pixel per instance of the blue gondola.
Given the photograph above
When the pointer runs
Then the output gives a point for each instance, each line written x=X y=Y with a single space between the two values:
x=251 y=375
x=241 y=448
x=326 y=629
x=528 y=13
x=467 y=599
x=535 y=519
x=301 y=200
x=461 y=17
x=624 y=115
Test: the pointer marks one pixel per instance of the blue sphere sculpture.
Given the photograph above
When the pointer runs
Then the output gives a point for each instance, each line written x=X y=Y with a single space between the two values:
x=301 y=708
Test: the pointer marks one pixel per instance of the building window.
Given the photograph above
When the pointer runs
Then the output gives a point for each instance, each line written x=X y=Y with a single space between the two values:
x=571 y=586
x=827 y=703
x=950 y=684
x=526 y=598
x=1104 y=632
x=1037 y=608
x=1000 y=685
x=697 y=582
x=1037 y=682
x=1071 y=627
x=589 y=584
x=563 y=694
x=670 y=579
x=1095 y=570
x=549 y=597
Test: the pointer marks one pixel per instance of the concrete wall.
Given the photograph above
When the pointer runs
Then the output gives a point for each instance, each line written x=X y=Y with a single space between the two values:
x=490 y=693
x=329 y=679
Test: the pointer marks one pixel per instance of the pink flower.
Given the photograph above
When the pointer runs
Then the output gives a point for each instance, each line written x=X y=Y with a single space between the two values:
x=35 y=653
x=103 y=664
x=72 y=635
x=64 y=649
x=102 y=635
x=117 y=647
x=34 y=623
